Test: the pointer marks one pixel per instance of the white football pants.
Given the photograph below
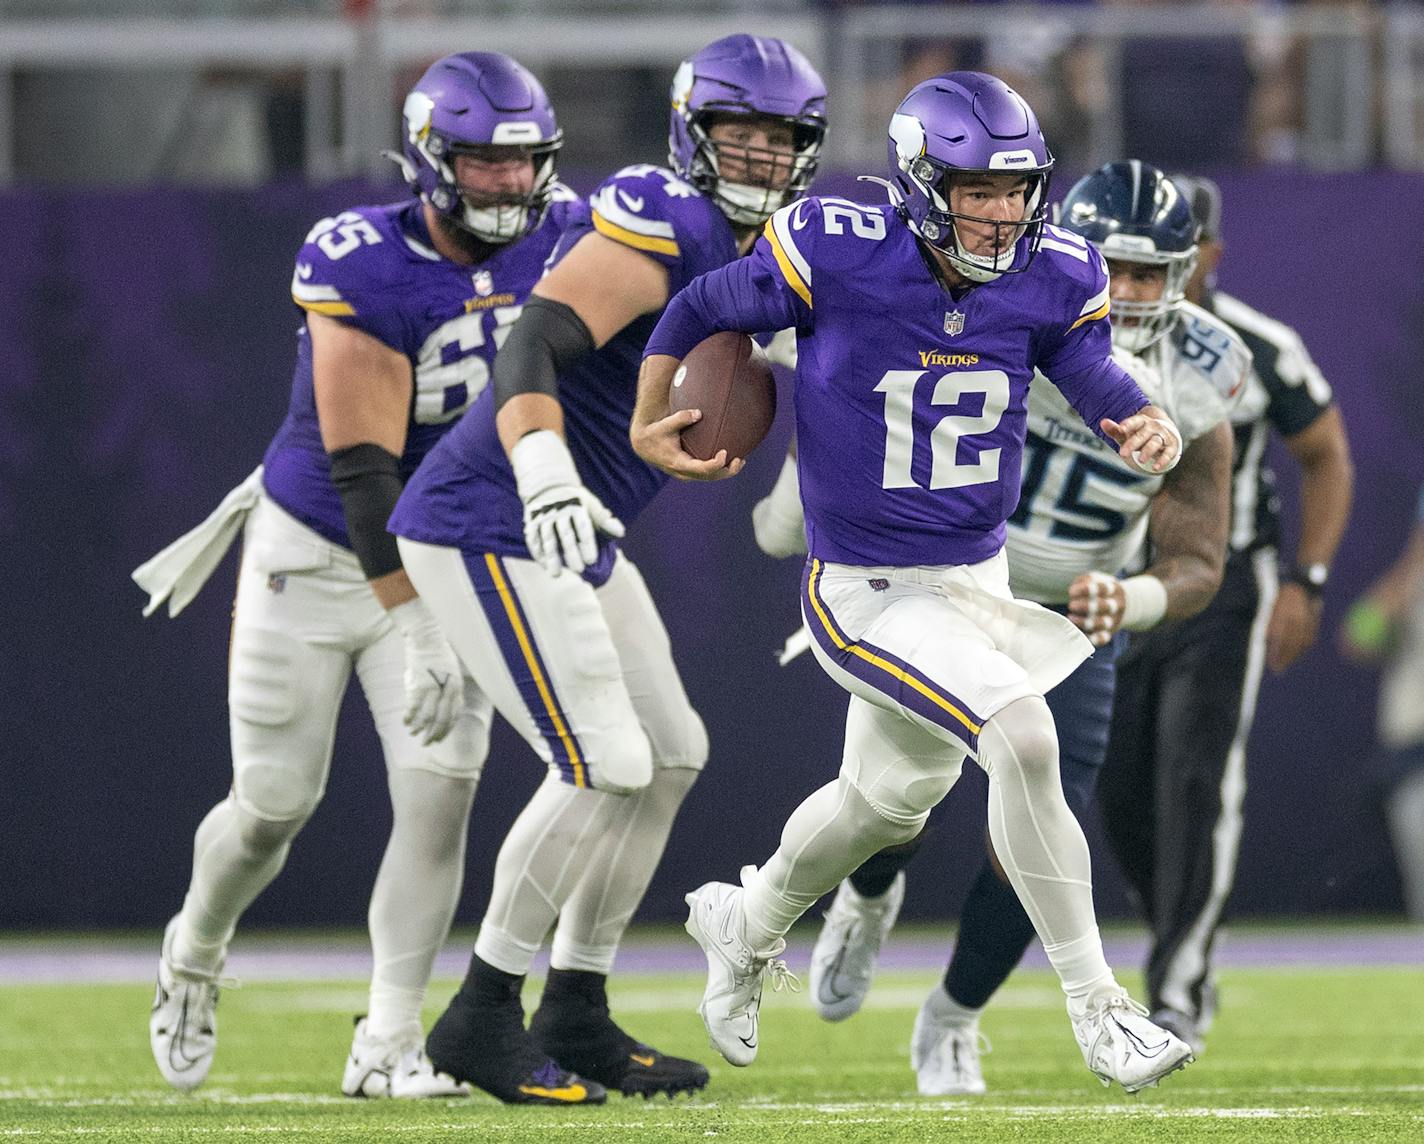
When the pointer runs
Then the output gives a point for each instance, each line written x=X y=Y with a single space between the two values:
x=304 y=619
x=586 y=676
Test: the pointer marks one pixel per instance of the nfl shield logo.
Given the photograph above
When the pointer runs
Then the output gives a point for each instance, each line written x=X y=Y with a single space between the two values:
x=484 y=283
x=954 y=322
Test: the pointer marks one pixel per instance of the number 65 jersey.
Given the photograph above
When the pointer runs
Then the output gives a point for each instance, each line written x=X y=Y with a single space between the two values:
x=911 y=402
x=376 y=269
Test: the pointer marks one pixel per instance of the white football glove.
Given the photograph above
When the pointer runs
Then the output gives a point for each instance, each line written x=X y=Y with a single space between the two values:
x=434 y=681
x=562 y=518
x=781 y=350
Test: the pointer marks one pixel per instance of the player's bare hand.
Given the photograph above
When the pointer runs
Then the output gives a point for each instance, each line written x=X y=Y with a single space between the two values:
x=1148 y=441
x=1096 y=603
x=1295 y=620
x=660 y=443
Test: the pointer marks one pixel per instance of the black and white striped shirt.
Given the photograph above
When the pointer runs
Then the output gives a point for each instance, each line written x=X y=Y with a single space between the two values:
x=1287 y=391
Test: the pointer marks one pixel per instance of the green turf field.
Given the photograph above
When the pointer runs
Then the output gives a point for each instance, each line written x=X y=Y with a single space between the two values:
x=1297 y=1055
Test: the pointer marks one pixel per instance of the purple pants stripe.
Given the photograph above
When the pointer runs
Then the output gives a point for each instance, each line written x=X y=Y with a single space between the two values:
x=521 y=656
x=884 y=671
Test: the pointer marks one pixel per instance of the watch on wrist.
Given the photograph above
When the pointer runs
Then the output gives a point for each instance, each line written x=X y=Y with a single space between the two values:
x=1311 y=577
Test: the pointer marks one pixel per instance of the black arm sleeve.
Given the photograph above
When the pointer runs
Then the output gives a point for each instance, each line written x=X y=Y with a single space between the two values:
x=547 y=339
x=368 y=479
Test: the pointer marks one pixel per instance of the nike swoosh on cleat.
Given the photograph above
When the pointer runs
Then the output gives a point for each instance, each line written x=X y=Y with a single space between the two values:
x=749 y=1042
x=572 y=1093
x=646 y=1062
x=1148 y=1051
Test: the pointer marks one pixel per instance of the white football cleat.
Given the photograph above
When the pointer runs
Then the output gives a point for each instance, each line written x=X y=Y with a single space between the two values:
x=944 y=1052
x=735 y=971
x=843 y=960
x=1120 y=1044
x=395 y=1068
x=183 y=1025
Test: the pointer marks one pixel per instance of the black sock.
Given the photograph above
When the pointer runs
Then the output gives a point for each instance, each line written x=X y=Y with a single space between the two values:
x=576 y=984
x=874 y=875
x=994 y=931
x=486 y=985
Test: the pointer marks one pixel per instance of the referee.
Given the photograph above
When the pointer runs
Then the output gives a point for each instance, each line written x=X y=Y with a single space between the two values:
x=1172 y=788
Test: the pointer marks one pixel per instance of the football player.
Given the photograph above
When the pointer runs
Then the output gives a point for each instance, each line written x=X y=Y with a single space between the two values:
x=1174 y=784
x=1112 y=549
x=508 y=531
x=919 y=327
x=404 y=306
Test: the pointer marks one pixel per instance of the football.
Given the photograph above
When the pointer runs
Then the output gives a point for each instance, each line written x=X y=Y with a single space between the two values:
x=728 y=377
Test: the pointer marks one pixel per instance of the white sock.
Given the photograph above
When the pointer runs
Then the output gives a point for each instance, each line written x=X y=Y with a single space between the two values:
x=1040 y=844
x=830 y=834
x=948 y=1011
x=619 y=869
x=544 y=856
x=414 y=898
x=235 y=858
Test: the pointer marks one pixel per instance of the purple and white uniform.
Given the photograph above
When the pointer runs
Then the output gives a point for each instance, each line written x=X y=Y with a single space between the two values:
x=552 y=653
x=376 y=269
x=911 y=409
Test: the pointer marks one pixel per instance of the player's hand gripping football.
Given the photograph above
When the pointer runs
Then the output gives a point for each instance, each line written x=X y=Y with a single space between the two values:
x=434 y=682
x=1148 y=440
x=562 y=519
x=656 y=434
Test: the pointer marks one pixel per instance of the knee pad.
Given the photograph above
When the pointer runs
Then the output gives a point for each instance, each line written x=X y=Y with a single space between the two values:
x=620 y=762
x=690 y=750
x=1021 y=735
x=283 y=698
x=264 y=836
x=899 y=768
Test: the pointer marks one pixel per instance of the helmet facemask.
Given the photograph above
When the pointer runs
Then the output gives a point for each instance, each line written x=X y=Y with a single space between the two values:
x=494 y=217
x=940 y=227
x=1137 y=326
x=784 y=176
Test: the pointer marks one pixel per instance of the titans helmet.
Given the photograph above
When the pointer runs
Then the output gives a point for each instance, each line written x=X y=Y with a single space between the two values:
x=471 y=102
x=1132 y=212
x=965 y=124
x=753 y=76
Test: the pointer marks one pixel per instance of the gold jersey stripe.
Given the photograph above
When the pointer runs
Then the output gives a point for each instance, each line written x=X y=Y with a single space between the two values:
x=526 y=646
x=1100 y=312
x=793 y=279
x=332 y=309
x=633 y=238
x=876 y=661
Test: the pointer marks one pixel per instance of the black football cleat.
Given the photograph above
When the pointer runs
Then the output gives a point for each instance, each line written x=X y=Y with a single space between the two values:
x=484 y=1043
x=572 y=1025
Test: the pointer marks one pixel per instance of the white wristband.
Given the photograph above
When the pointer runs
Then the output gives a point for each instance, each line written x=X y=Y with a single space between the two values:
x=541 y=460
x=1144 y=602
x=414 y=620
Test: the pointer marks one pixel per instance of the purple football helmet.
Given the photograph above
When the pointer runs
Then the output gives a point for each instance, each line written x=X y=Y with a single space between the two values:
x=484 y=104
x=963 y=123
x=753 y=76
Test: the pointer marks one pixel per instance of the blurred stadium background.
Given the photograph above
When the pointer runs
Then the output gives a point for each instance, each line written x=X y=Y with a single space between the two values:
x=160 y=161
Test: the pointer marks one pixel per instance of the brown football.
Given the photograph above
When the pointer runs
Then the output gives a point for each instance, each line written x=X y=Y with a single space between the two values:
x=727 y=377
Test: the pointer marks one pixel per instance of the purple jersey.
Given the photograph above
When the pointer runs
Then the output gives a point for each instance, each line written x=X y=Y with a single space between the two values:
x=375 y=268
x=910 y=402
x=464 y=495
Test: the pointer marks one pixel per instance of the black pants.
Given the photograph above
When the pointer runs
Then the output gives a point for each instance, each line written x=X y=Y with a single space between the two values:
x=1172 y=787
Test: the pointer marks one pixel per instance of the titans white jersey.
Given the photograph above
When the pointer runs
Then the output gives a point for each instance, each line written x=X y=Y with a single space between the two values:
x=1082 y=508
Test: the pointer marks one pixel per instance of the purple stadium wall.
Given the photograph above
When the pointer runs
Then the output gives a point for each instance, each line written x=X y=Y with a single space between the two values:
x=145 y=363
